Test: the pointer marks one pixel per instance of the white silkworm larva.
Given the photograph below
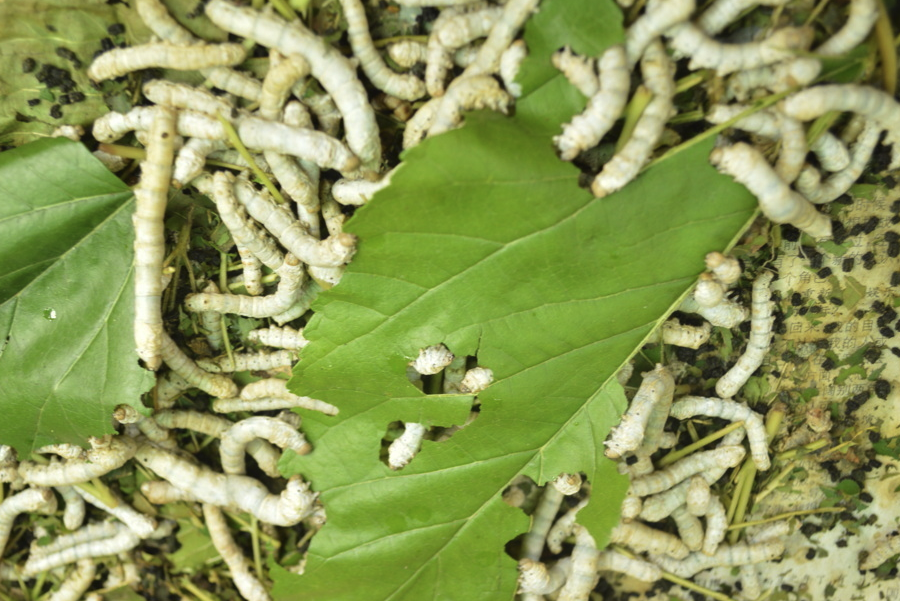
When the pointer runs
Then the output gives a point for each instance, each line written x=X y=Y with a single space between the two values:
x=417 y=126
x=674 y=333
x=74 y=512
x=297 y=115
x=631 y=508
x=406 y=446
x=124 y=539
x=706 y=53
x=727 y=314
x=725 y=555
x=778 y=202
x=689 y=528
x=536 y=578
x=335 y=73
x=125 y=573
x=308 y=144
x=333 y=217
x=212 y=383
x=90 y=532
x=583 y=574
x=260 y=361
x=698 y=496
x=725 y=268
x=326 y=112
x=659 y=17
x=781 y=76
x=233 y=82
x=839 y=182
x=758 y=344
x=861 y=18
x=432 y=359
x=182 y=96
x=660 y=506
x=468 y=94
x=885 y=547
x=66 y=451
x=246 y=583
x=716 y=525
x=330 y=252
x=29 y=500
x=401 y=85
x=643 y=538
x=689 y=406
x=541 y=521
x=407 y=53
x=581 y=71
x=562 y=527
x=603 y=108
x=357 y=192
x=169 y=387
x=160 y=492
x=211 y=321
x=438 y=57
x=143 y=525
x=831 y=152
x=623 y=167
x=657 y=388
x=104 y=456
x=721 y=13
x=77 y=582
x=291 y=274
x=750 y=585
x=112 y=126
x=504 y=31
x=191 y=159
x=151 y=197
x=284 y=337
x=639 y=569
x=164 y=55
x=685 y=468
x=454 y=374
x=284 y=72
x=113 y=162
x=463 y=27
x=709 y=291
x=269 y=394
x=567 y=484
x=233 y=442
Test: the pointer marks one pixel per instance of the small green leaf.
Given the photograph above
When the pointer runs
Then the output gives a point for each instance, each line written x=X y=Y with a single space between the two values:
x=848 y=487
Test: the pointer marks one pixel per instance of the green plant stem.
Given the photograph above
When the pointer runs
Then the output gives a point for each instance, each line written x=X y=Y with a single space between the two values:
x=97 y=488
x=284 y=9
x=676 y=455
x=199 y=593
x=127 y=152
x=802 y=450
x=784 y=516
x=742 y=500
x=400 y=38
x=235 y=141
x=633 y=112
x=675 y=579
x=884 y=39
x=776 y=481
x=223 y=285
x=254 y=539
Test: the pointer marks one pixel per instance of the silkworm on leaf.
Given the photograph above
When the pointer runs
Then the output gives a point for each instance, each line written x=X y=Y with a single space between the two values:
x=726 y=269
x=757 y=346
x=284 y=337
x=603 y=108
x=143 y=525
x=406 y=446
x=234 y=441
x=689 y=528
x=432 y=359
x=270 y=394
x=213 y=384
x=776 y=200
x=291 y=273
x=164 y=55
x=861 y=18
x=698 y=496
x=562 y=527
x=716 y=525
x=727 y=314
x=536 y=578
x=104 y=456
x=676 y=334
x=407 y=53
x=709 y=291
x=77 y=582
x=357 y=192
x=183 y=96
x=581 y=71
x=685 y=468
x=885 y=547
x=656 y=388
x=643 y=538
x=29 y=500
x=567 y=484
x=468 y=94
x=819 y=192
x=583 y=574
x=797 y=71
x=502 y=34
x=610 y=561
x=476 y=380
x=659 y=17
x=261 y=361
x=725 y=555
x=247 y=584
x=417 y=127
x=721 y=13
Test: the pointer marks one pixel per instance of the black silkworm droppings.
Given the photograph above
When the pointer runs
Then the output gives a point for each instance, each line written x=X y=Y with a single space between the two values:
x=872 y=355
x=815 y=309
x=847 y=264
x=828 y=364
x=790 y=233
x=29 y=65
x=796 y=299
x=803 y=310
x=893 y=249
x=882 y=389
x=838 y=231
x=56 y=111
x=836 y=301
x=892 y=236
x=886 y=332
x=823 y=273
x=115 y=29
x=831 y=328
x=34 y=101
x=870 y=224
x=895 y=278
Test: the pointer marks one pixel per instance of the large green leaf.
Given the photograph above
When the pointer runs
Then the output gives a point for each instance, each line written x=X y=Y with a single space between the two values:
x=485 y=242
x=66 y=288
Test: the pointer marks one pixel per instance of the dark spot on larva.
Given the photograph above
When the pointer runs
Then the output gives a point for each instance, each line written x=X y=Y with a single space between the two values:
x=789 y=232
x=823 y=273
x=872 y=355
x=164 y=135
x=870 y=224
x=115 y=29
x=828 y=364
x=847 y=264
x=882 y=389
x=56 y=111
x=631 y=459
x=803 y=310
x=34 y=101
x=29 y=65
x=836 y=301
x=893 y=249
x=831 y=327
x=886 y=332
x=838 y=231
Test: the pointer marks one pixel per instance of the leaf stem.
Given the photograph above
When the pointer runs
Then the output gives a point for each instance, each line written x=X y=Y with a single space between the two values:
x=633 y=112
x=199 y=593
x=784 y=516
x=674 y=456
x=235 y=141
x=254 y=539
x=127 y=152
x=884 y=39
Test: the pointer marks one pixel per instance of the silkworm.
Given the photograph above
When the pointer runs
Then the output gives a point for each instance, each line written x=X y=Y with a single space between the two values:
x=689 y=406
x=261 y=361
x=502 y=34
x=143 y=525
x=284 y=337
x=567 y=484
x=536 y=578
x=721 y=13
x=432 y=359
x=838 y=183
x=758 y=344
x=583 y=574
x=406 y=446
x=233 y=82
x=74 y=512
x=610 y=561
x=603 y=108
x=685 y=468
x=581 y=71
x=716 y=525
x=308 y=293
x=151 y=197
x=77 y=582
x=831 y=153
x=541 y=521
x=797 y=71
x=468 y=94
x=689 y=528
x=66 y=451
x=90 y=532
x=706 y=53
x=335 y=73
x=246 y=583
x=125 y=573
x=211 y=321
x=291 y=275
x=860 y=19
x=233 y=442
x=169 y=387
x=709 y=291
x=698 y=495
x=562 y=527
x=182 y=96
x=113 y=162
x=160 y=492
x=357 y=192
x=631 y=507
x=191 y=158
x=438 y=59
x=326 y=112
x=727 y=314
x=284 y=72
x=330 y=252
x=658 y=71
x=407 y=53
x=776 y=200
x=29 y=500
x=657 y=388
x=308 y=144
x=126 y=414
x=676 y=334
x=726 y=555
x=212 y=383
x=112 y=126
x=643 y=538
x=104 y=456
x=277 y=388
x=659 y=17
x=750 y=585
x=463 y=27
x=886 y=546
x=725 y=268
x=164 y=55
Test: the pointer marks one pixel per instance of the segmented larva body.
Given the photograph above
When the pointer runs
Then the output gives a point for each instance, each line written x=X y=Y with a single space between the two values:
x=157 y=18
x=29 y=500
x=308 y=293
x=603 y=108
x=66 y=451
x=335 y=73
x=74 y=512
x=234 y=82
x=541 y=521
x=819 y=192
x=407 y=53
x=160 y=492
x=211 y=321
x=610 y=561
x=141 y=524
x=722 y=13
x=169 y=387
x=308 y=144
x=164 y=55
x=212 y=383
x=727 y=314
x=535 y=578
x=660 y=506
x=283 y=73
x=831 y=152
x=698 y=495
x=709 y=291
x=758 y=344
x=581 y=71
x=463 y=27
x=183 y=96
x=689 y=528
x=191 y=159
x=112 y=126
x=357 y=192
x=330 y=252
x=125 y=573
x=246 y=583
x=751 y=588
x=631 y=507
x=417 y=127
x=778 y=202
x=659 y=17
x=126 y=414
x=90 y=532
x=8 y=464
x=77 y=582
x=725 y=555
x=725 y=268
x=102 y=458
x=562 y=527
x=656 y=389
x=676 y=334
x=706 y=53
x=567 y=484
x=689 y=406
x=861 y=18
x=284 y=337
x=277 y=388
x=234 y=441
x=885 y=547
x=432 y=359
x=781 y=76
x=406 y=446
x=437 y=56
x=326 y=112
x=261 y=361
x=510 y=61
x=643 y=538
x=291 y=273
x=685 y=468
x=583 y=573
x=468 y=94
x=716 y=525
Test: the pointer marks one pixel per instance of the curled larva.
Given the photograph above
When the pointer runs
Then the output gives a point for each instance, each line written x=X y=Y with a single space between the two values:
x=562 y=527
x=308 y=144
x=183 y=96
x=581 y=71
x=164 y=55
x=659 y=17
x=696 y=500
x=283 y=73
x=77 y=582
x=603 y=108
x=406 y=446
x=126 y=414
x=583 y=573
x=357 y=192
x=536 y=578
x=541 y=521
x=143 y=525
x=468 y=94
x=27 y=501
x=861 y=18
x=260 y=361
x=246 y=583
x=233 y=442
x=685 y=468
x=676 y=334
x=212 y=383
x=758 y=344
x=191 y=158
x=104 y=456
x=461 y=28
x=407 y=53
x=725 y=555
x=716 y=524
x=727 y=314
x=476 y=380
x=797 y=71
x=417 y=126
x=504 y=31
x=885 y=547
x=610 y=561
x=643 y=538
x=778 y=202
x=284 y=337
x=169 y=387
x=709 y=291
x=656 y=388
x=831 y=152
x=690 y=406
x=432 y=359
x=438 y=54
x=725 y=268
x=336 y=74
x=721 y=13
x=820 y=192
x=74 y=512
x=689 y=528
x=631 y=507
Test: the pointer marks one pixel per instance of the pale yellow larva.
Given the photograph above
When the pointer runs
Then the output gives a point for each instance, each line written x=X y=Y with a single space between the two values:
x=30 y=500
x=698 y=496
x=685 y=468
x=783 y=75
x=183 y=96
x=659 y=17
x=886 y=546
x=638 y=569
x=541 y=522
x=407 y=53
x=861 y=18
x=124 y=539
x=165 y=55
x=103 y=457
x=406 y=446
x=583 y=572
x=721 y=13
x=689 y=528
x=716 y=525
x=642 y=538
x=536 y=578
x=74 y=512
x=250 y=587
x=468 y=94
x=76 y=582
x=819 y=192
x=141 y=524
x=214 y=384
x=726 y=555
x=675 y=333
x=233 y=442
x=581 y=71
x=656 y=388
